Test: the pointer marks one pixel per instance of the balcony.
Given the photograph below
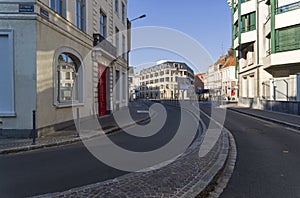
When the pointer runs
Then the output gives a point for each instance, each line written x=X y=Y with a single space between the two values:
x=248 y=36
x=247 y=62
x=283 y=61
x=102 y=43
x=248 y=7
x=287 y=47
x=285 y=19
x=287 y=8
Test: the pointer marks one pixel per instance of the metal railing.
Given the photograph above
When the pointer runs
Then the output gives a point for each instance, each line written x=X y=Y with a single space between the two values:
x=287 y=8
x=104 y=44
x=243 y=1
x=248 y=28
x=287 y=47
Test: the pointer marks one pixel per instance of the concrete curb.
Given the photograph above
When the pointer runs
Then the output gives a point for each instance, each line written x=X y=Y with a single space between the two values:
x=286 y=124
x=225 y=175
x=65 y=142
x=204 y=187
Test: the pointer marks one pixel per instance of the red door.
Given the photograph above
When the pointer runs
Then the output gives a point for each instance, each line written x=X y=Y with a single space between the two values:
x=102 y=89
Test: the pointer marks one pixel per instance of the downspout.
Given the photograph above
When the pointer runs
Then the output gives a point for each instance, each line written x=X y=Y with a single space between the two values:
x=257 y=49
x=239 y=37
x=273 y=5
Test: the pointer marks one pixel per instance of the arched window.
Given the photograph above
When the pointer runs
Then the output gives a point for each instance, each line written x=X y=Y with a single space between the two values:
x=69 y=79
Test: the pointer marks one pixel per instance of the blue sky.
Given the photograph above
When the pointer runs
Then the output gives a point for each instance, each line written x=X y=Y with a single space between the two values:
x=208 y=22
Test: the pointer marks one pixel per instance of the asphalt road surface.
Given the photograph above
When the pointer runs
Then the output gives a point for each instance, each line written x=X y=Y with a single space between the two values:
x=268 y=158
x=62 y=168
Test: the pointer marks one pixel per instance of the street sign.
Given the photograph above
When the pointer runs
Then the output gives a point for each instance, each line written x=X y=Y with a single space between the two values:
x=44 y=14
x=184 y=83
x=26 y=8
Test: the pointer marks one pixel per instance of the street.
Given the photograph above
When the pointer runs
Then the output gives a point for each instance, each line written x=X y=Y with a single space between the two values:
x=62 y=168
x=267 y=161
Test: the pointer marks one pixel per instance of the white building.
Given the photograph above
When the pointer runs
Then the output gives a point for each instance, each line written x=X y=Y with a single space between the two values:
x=267 y=42
x=229 y=80
x=47 y=65
x=134 y=84
x=161 y=81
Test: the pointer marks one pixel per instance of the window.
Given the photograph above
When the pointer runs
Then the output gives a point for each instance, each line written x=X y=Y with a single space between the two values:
x=124 y=86
x=7 y=74
x=244 y=86
x=117 y=6
x=117 y=40
x=287 y=39
x=68 y=79
x=68 y=75
x=117 y=85
x=251 y=86
x=124 y=51
x=123 y=13
x=59 y=6
x=249 y=22
x=103 y=24
x=81 y=14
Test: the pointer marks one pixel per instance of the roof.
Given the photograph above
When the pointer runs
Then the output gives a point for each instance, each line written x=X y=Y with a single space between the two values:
x=229 y=62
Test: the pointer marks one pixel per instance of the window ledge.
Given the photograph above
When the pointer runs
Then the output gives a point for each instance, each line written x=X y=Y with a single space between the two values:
x=10 y=114
x=61 y=105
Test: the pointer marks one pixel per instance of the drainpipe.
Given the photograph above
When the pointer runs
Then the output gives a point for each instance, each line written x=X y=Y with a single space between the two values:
x=273 y=6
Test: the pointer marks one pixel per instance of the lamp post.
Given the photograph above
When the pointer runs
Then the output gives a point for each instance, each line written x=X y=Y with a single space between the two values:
x=140 y=17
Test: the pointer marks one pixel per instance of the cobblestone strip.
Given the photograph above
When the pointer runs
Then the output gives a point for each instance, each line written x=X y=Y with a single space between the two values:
x=225 y=176
x=186 y=177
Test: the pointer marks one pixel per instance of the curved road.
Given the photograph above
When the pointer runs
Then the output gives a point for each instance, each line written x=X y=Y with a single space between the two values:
x=62 y=168
x=268 y=158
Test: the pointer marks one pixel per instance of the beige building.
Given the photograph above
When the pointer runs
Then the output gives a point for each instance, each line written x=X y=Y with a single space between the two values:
x=50 y=64
x=267 y=43
x=161 y=81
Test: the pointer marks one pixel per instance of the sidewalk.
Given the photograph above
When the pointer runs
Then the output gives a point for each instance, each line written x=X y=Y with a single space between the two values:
x=288 y=120
x=69 y=135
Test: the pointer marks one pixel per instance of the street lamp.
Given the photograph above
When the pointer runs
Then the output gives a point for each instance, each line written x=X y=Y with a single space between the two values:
x=140 y=17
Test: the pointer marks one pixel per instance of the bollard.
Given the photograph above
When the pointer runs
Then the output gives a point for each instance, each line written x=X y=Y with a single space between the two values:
x=33 y=126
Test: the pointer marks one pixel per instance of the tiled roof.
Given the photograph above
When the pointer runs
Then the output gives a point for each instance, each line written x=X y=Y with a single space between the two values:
x=229 y=62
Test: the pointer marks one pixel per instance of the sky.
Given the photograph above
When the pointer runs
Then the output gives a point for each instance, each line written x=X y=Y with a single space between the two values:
x=207 y=23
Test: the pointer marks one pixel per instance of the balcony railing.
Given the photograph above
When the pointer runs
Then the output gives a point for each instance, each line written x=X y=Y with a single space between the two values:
x=104 y=44
x=286 y=8
x=287 y=47
x=243 y=1
x=248 y=28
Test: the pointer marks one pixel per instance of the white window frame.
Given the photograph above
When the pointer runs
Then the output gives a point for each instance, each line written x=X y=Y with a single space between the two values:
x=10 y=92
x=103 y=25
x=117 y=7
x=123 y=7
x=59 y=6
x=81 y=93
x=81 y=13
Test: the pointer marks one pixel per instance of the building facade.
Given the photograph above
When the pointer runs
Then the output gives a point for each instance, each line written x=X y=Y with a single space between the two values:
x=59 y=55
x=134 y=84
x=161 y=81
x=266 y=41
x=221 y=79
